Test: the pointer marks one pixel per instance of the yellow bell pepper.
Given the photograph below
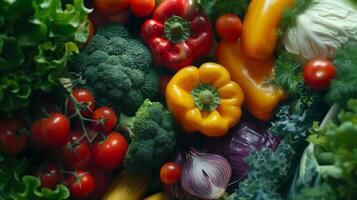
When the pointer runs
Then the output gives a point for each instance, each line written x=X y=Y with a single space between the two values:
x=251 y=74
x=260 y=26
x=205 y=99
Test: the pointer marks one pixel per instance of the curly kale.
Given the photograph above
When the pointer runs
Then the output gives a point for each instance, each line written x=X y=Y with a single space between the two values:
x=152 y=135
x=117 y=68
x=295 y=118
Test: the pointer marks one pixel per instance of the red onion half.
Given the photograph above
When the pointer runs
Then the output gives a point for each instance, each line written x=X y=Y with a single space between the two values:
x=205 y=175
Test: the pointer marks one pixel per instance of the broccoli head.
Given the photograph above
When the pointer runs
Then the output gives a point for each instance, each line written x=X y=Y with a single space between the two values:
x=117 y=69
x=153 y=136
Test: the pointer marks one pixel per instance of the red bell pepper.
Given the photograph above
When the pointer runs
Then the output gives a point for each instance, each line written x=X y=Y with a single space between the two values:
x=178 y=34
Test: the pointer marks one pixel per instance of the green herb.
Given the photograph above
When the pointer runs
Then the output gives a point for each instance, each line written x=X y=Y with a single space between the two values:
x=344 y=86
x=216 y=8
x=290 y=15
x=37 y=39
x=288 y=74
x=15 y=186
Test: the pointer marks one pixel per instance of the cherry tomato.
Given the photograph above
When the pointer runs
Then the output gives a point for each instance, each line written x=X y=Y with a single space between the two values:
x=110 y=153
x=111 y=7
x=142 y=8
x=85 y=101
x=164 y=80
x=170 y=173
x=229 y=27
x=76 y=154
x=50 y=175
x=12 y=140
x=319 y=73
x=81 y=184
x=105 y=119
x=51 y=132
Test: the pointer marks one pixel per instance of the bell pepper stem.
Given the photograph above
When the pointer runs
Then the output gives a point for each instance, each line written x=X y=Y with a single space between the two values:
x=206 y=97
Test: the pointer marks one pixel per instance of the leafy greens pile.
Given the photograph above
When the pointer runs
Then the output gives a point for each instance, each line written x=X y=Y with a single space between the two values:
x=329 y=164
x=37 y=39
x=15 y=186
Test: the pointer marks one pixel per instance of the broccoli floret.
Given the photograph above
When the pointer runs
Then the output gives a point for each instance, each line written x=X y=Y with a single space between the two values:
x=152 y=135
x=118 y=70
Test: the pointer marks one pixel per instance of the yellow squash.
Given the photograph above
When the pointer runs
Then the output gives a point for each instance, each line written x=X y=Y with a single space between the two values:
x=260 y=26
x=128 y=185
x=158 y=196
x=205 y=99
x=251 y=74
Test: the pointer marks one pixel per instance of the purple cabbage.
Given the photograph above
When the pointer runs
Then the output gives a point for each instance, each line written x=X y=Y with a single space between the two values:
x=240 y=142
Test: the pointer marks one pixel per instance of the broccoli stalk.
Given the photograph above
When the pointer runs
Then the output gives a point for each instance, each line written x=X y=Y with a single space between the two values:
x=152 y=135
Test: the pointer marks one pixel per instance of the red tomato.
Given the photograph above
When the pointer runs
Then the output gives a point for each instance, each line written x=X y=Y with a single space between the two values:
x=50 y=175
x=81 y=184
x=170 y=173
x=85 y=102
x=12 y=141
x=142 y=8
x=111 y=7
x=51 y=132
x=76 y=154
x=164 y=80
x=229 y=27
x=105 y=119
x=110 y=153
x=319 y=73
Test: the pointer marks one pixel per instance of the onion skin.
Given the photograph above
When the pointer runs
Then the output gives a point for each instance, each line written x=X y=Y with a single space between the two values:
x=205 y=175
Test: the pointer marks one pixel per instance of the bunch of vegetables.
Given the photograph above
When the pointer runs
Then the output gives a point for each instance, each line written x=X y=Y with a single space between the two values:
x=37 y=39
x=178 y=99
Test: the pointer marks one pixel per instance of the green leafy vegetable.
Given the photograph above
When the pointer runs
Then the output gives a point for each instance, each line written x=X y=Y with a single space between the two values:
x=268 y=170
x=37 y=39
x=290 y=15
x=295 y=118
x=216 y=8
x=344 y=86
x=15 y=186
x=331 y=158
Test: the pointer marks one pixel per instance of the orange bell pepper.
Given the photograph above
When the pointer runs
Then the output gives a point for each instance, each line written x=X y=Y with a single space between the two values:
x=260 y=27
x=205 y=99
x=251 y=74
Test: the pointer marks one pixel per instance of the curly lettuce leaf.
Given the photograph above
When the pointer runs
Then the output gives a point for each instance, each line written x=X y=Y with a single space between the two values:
x=40 y=37
x=15 y=186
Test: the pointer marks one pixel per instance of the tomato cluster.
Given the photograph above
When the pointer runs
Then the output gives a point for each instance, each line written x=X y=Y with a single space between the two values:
x=82 y=138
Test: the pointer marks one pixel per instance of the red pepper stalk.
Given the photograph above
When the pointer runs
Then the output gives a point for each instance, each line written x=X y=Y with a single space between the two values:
x=178 y=34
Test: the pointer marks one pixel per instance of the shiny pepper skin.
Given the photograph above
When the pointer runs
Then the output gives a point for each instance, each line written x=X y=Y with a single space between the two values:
x=211 y=85
x=177 y=34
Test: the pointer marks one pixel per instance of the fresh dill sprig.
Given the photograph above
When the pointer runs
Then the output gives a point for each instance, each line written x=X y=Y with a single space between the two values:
x=288 y=74
x=344 y=86
x=290 y=15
